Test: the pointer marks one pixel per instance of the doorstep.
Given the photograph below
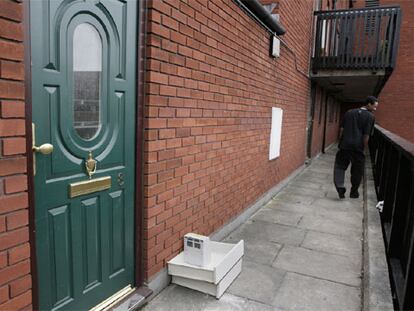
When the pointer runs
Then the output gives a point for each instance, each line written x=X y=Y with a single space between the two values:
x=128 y=299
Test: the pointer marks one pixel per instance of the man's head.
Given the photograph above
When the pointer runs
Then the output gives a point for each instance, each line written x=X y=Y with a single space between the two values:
x=371 y=103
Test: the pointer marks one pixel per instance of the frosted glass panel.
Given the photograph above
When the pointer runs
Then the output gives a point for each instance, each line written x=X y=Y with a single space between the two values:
x=87 y=74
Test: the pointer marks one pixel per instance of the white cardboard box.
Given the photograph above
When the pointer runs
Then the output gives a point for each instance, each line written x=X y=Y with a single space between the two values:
x=210 y=288
x=223 y=257
x=214 y=278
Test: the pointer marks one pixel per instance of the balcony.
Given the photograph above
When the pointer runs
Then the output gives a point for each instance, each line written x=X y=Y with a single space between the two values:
x=355 y=50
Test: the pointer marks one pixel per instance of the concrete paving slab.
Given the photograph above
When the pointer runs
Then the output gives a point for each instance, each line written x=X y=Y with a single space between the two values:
x=232 y=302
x=265 y=231
x=335 y=202
x=318 y=264
x=315 y=179
x=287 y=197
x=302 y=293
x=344 y=214
x=329 y=243
x=322 y=223
x=277 y=216
x=259 y=251
x=304 y=184
x=317 y=193
x=290 y=207
x=329 y=186
x=257 y=282
x=262 y=252
x=319 y=175
x=320 y=169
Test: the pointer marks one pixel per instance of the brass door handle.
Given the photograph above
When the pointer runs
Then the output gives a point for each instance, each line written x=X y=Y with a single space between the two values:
x=43 y=149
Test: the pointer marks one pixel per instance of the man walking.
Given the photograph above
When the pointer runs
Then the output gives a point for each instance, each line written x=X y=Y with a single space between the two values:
x=354 y=134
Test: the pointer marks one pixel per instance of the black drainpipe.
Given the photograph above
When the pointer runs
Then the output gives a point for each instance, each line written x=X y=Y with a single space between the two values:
x=311 y=117
x=255 y=8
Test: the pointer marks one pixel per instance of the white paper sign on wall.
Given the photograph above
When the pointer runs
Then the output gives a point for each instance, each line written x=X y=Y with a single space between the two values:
x=275 y=47
x=275 y=133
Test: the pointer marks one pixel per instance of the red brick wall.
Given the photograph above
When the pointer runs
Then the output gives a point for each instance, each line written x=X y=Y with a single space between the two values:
x=396 y=101
x=328 y=4
x=210 y=88
x=396 y=110
x=15 y=278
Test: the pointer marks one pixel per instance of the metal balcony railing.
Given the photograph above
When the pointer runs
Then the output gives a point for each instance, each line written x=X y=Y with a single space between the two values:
x=357 y=39
x=393 y=165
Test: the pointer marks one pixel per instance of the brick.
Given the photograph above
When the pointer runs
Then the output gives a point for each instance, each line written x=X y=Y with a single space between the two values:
x=11 y=30
x=11 y=10
x=13 y=238
x=11 y=127
x=168 y=90
x=11 y=89
x=18 y=303
x=17 y=219
x=11 y=50
x=20 y=286
x=27 y=308
x=19 y=253
x=160 y=6
x=156 y=123
x=11 y=70
x=4 y=294
x=159 y=30
x=156 y=145
x=2 y=224
x=13 y=272
x=165 y=196
x=15 y=184
x=166 y=133
x=13 y=202
x=14 y=146
x=153 y=231
x=10 y=166
x=12 y=109
x=169 y=23
x=183 y=132
x=163 y=254
x=157 y=77
x=166 y=154
x=3 y=259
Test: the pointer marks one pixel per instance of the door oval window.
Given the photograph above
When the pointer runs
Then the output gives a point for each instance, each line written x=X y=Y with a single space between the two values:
x=87 y=76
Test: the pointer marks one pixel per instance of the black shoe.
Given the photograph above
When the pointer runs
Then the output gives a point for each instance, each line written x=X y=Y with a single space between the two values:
x=341 y=192
x=354 y=194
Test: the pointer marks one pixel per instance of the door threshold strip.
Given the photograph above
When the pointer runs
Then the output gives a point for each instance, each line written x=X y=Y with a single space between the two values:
x=111 y=301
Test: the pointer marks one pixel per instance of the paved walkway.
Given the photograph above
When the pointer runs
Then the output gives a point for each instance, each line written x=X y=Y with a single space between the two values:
x=303 y=251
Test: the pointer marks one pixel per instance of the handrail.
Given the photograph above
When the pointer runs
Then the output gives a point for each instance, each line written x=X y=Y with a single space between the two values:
x=357 y=9
x=393 y=168
x=357 y=39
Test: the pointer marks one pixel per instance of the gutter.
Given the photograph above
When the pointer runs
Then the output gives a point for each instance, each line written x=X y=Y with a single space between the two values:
x=255 y=8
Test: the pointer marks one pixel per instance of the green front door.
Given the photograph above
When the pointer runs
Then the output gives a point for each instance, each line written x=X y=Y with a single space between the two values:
x=83 y=103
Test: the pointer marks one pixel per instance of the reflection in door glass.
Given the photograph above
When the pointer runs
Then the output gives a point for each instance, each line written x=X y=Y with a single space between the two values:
x=87 y=73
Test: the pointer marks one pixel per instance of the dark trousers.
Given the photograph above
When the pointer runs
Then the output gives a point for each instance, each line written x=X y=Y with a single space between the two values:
x=342 y=160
